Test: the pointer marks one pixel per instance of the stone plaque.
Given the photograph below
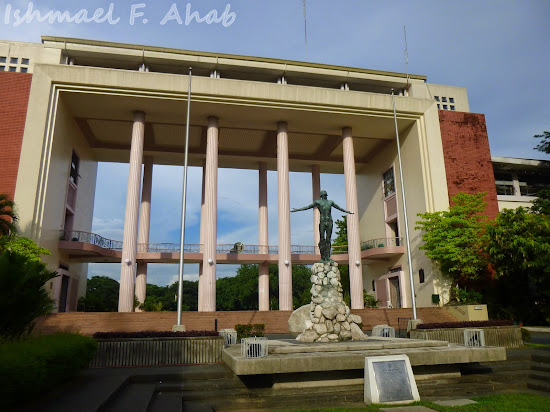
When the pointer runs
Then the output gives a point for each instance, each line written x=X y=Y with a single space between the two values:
x=389 y=379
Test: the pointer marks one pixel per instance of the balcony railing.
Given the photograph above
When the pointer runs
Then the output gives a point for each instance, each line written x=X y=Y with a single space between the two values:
x=97 y=240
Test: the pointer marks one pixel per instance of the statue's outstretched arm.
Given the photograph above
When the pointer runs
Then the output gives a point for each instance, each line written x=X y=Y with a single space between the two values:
x=311 y=206
x=340 y=209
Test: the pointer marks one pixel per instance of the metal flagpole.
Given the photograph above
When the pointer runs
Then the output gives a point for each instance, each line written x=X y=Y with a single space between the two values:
x=184 y=198
x=413 y=299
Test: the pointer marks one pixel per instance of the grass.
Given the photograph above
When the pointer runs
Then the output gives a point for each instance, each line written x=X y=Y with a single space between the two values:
x=536 y=345
x=33 y=365
x=517 y=402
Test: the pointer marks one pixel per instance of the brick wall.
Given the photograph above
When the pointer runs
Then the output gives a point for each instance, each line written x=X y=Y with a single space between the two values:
x=467 y=156
x=14 y=89
x=275 y=321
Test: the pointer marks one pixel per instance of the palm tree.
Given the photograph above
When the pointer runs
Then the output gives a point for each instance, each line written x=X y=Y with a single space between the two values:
x=7 y=216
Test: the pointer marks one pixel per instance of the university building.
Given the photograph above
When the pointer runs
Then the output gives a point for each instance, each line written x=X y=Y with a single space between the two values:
x=71 y=103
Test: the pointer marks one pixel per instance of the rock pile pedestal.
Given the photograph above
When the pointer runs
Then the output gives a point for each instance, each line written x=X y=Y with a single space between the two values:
x=330 y=319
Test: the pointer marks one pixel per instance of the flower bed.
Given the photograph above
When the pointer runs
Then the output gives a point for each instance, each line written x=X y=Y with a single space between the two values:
x=502 y=336
x=147 y=351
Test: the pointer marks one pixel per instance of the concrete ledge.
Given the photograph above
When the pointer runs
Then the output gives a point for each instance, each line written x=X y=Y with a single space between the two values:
x=311 y=358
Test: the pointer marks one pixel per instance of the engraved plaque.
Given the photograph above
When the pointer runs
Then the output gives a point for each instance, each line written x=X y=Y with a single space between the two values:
x=389 y=380
x=392 y=381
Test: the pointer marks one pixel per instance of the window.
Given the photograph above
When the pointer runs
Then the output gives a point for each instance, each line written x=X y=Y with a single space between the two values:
x=452 y=107
x=73 y=177
x=23 y=69
x=2 y=59
x=451 y=99
x=2 y=68
x=439 y=106
x=505 y=184
x=444 y=99
x=421 y=276
x=389 y=183
x=14 y=60
x=13 y=69
x=530 y=183
x=26 y=62
x=436 y=98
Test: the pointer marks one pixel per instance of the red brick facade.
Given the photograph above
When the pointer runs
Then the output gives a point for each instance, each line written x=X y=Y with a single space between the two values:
x=467 y=156
x=15 y=89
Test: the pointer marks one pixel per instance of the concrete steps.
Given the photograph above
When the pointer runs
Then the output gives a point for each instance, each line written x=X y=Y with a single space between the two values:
x=539 y=375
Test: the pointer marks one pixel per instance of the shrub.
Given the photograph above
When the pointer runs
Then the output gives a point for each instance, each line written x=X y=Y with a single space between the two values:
x=370 y=300
x=154 y=334
x=469 y=324
x=31 y=366
x=22 y=296
x=249 y=330
x=525 y=335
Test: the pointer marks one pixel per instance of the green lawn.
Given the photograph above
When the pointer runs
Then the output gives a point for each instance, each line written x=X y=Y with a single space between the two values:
x=518 y=402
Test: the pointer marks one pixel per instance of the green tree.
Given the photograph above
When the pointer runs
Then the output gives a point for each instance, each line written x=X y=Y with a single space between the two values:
x=544 y=145
x=23 y=246
x=340 y=244
x=541 y=205
x=22 y=296
x=8 y=217
x=519 y=247
x=456 y=240
x=101 y=295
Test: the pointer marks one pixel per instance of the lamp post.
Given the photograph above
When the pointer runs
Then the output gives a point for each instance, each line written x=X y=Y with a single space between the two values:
x=407 y=237
x=184 y=199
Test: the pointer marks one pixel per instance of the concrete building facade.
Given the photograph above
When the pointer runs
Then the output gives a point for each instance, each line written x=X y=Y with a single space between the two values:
x=79 y=102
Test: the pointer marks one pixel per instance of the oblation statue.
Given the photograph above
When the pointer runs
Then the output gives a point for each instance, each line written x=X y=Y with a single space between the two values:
x=324 y=206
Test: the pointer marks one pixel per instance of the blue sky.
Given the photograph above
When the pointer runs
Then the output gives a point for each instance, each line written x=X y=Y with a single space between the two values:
x=497 y=49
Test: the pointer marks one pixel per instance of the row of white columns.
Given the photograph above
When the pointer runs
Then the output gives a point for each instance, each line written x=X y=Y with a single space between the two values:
x=208 y=231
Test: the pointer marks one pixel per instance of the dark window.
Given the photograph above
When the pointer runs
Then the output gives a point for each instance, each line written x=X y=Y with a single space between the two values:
x=25 y=61
x=14 y=60
x=2 y=59
x=2 y=68
x=504 y=183
x=13 y=69
x=23 y=69
x=74 y=169
x=421 y=275
x=439 y=106
x=436 y=98
x=444 y=99
x=452 y=107
x=373 y=285
x=451 y=99
x=389 y=183
x=531 y=182
x=444 y=107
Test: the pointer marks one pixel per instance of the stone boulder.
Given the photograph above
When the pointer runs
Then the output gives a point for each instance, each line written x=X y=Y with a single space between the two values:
x=297 y=321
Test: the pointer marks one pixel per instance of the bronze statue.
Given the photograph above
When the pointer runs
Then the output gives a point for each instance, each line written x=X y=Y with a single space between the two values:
x=325 y=225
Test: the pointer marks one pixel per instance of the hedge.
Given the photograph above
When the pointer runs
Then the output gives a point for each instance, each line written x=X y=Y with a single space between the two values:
x=33 y=365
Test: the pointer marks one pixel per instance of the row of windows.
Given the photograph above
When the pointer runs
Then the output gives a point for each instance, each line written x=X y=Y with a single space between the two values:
x=15 y=64
x=529 y=183
x=444 y=99
x=446 y=107
x=14 y=60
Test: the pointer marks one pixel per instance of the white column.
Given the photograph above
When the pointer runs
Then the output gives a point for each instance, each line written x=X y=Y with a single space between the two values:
x=201 y=266
x=316 y=189
x=263 y=238
x=210 y=218
x=144 y=224
x=129 y=246
x=354 y=247
x=285 y=264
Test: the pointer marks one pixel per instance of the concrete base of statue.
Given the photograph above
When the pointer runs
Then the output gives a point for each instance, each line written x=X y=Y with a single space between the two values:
x=330 y=319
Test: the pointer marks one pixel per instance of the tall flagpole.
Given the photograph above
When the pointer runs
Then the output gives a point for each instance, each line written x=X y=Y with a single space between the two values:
x=413 y=298
x=183 y=202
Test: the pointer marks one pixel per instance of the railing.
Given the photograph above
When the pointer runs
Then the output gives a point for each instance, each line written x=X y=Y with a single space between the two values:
x=382 y=242
x=95 y=239
x=92 y=238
